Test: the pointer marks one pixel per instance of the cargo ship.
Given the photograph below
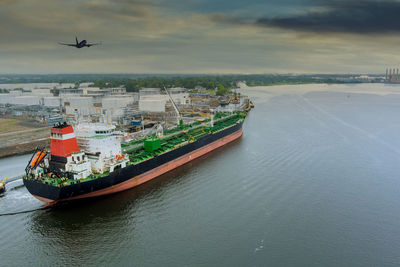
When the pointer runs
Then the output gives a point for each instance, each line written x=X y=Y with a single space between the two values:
x=88 y=160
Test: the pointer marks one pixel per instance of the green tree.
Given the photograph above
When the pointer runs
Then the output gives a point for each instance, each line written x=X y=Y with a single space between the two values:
x=221 y=90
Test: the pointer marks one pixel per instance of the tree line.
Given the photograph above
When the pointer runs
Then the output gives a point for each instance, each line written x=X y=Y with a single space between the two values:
x=220 y=84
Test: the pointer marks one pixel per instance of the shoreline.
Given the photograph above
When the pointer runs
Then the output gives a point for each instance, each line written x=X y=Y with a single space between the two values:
x=23 y=148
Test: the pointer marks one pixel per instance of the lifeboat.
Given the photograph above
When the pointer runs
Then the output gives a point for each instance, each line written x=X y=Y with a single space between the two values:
x=37 y=159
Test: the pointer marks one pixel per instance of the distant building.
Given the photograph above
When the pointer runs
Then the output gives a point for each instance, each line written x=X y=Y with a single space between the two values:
x=149 y=91
x=153 y=103
x=85 y=85
x=75 y=102
x=42 y=92
x=177 y=90
x=156 y=103
x=117 y=90
x=52 y=101
x=115 y=105
x=26 y=100
x=71 y=91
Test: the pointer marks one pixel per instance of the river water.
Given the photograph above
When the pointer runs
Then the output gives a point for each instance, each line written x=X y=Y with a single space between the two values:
x=314 y=181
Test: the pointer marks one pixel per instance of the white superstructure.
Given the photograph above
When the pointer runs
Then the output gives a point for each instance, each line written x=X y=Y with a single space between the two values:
x=101 y=146
x=78 y=165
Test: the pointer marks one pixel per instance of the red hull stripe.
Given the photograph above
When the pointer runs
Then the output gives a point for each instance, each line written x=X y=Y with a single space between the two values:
x=147 y=176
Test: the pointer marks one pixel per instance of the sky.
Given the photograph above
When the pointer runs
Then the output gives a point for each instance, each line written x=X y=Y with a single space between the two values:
x=200 y=36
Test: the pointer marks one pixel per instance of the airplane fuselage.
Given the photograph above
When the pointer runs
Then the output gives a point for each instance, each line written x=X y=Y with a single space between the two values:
x=81 y=44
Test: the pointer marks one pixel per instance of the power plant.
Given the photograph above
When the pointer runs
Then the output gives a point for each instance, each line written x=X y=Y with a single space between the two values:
x=392 y=75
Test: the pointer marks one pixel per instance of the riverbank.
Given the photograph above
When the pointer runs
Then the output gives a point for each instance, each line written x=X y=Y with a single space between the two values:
x=23 y=148
x=21 y=137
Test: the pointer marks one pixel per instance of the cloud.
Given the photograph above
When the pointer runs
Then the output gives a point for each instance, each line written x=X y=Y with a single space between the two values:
x=337 y=16
x=354 y=17
x=157 y=36
x=119 y=9
x=31 y=21
x=8 y=2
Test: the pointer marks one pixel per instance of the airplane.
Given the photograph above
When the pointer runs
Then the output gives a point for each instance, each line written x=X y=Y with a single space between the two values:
x=80 y=44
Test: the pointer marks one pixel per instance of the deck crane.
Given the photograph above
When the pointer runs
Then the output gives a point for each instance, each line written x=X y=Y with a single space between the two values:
x=178 y=114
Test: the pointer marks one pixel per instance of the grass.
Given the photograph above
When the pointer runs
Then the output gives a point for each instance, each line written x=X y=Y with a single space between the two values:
x=11 y=125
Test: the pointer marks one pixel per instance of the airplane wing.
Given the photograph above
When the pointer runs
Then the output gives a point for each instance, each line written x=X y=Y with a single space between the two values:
x=67 y=44
x=89 y=45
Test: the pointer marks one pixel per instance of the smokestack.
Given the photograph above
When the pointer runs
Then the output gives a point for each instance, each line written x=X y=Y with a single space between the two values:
x=62 y=141
x=386 y=74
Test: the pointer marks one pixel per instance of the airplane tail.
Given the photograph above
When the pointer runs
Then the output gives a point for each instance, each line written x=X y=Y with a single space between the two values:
x=76 y=38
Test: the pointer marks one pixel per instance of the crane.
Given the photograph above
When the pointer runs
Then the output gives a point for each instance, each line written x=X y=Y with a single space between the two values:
x=178 y=114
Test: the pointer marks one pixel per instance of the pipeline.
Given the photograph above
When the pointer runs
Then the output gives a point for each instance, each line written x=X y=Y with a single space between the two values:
x=14 y=178
x=23 y=211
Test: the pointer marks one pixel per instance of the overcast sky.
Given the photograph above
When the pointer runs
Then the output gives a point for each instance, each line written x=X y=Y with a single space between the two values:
x=200 y=36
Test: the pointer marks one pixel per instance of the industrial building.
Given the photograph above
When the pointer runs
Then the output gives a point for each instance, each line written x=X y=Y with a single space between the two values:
x=93 y=103
x=152 y=100
x=392 y=76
